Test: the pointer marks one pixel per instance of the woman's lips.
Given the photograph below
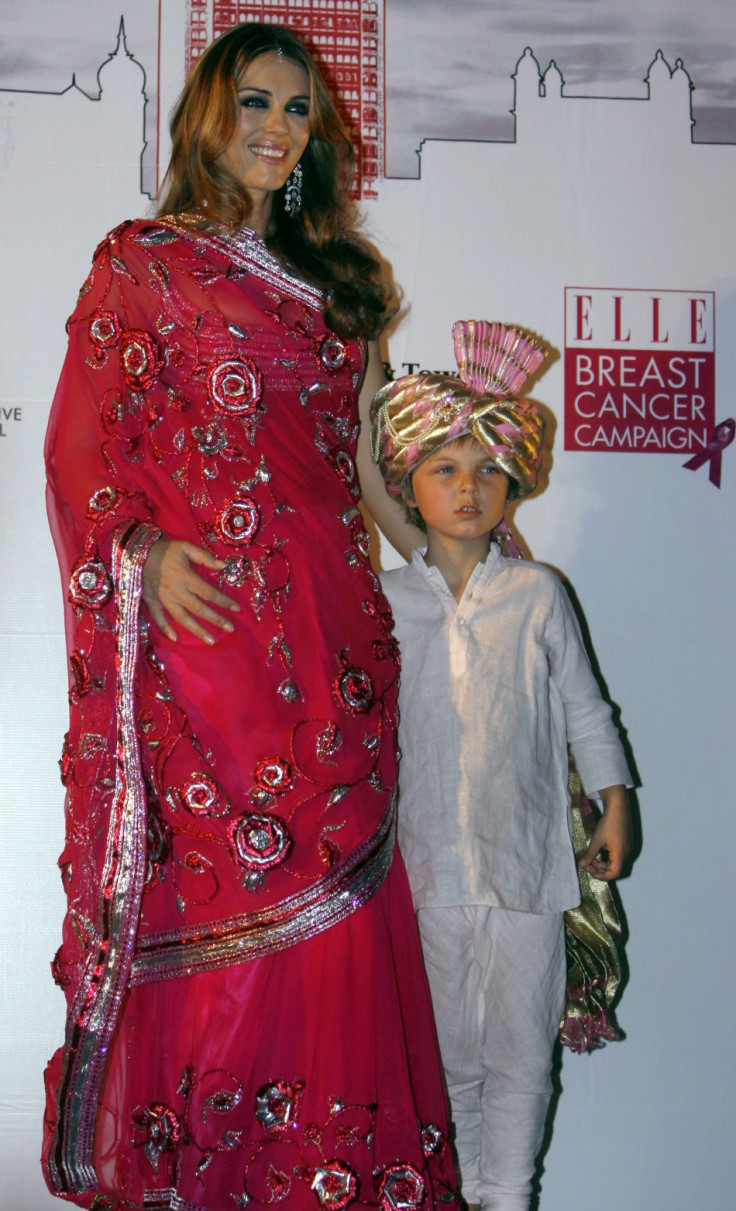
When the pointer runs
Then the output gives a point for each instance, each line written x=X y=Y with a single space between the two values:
x=266 y=152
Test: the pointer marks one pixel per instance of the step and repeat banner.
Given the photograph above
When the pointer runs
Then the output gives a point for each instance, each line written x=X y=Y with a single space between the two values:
x=571 y=168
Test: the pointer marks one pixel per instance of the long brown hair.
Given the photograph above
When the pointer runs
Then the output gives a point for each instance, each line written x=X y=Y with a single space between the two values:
x=318 y=241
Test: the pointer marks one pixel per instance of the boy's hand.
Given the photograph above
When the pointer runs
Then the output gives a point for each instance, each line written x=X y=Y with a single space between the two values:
x=609 y=846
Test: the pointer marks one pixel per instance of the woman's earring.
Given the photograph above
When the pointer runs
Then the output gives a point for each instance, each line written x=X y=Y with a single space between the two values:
x=293 y=195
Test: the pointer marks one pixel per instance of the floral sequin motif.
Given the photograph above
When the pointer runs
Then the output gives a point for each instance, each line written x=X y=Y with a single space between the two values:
x=329 y=741
x=354 y=689
x=235 y=386
x=433 y=1141
x=259 y=842
x=157 y=1129
x=202 y=795
x=90 y=586
x=81 y=682
x=335 y=1185
x=274 y=775
x=332 y=353
x=104 y=329
x=239 y=520
x=102 y=502
x=139 y=359
x=157 y=847
x=401 y=1188
x=211 y=439
x=360 y=540
x=277 y=1104
x=344 y=465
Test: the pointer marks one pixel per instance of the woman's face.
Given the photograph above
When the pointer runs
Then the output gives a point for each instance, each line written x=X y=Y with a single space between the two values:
x=272 y=132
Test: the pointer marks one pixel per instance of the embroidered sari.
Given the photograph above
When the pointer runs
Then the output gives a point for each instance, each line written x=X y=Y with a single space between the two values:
x=248 y=1018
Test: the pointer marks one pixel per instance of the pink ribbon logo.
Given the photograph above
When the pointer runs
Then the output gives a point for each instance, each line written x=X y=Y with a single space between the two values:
x=721 y=437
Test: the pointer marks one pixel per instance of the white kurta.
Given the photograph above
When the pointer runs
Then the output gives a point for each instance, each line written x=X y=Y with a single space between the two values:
x=493 y=689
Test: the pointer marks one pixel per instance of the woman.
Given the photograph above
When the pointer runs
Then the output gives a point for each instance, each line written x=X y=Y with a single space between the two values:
x=248 y=1019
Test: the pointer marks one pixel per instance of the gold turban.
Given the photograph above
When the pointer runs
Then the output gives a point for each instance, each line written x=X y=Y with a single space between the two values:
x=417 y=414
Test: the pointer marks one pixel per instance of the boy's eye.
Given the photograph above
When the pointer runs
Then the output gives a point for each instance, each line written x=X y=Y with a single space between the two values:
x=489 y=469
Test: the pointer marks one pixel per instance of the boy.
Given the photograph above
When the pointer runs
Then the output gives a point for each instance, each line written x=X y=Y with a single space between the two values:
x=495 y=683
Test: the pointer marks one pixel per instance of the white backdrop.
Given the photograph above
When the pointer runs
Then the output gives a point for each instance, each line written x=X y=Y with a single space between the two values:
x=587 y=193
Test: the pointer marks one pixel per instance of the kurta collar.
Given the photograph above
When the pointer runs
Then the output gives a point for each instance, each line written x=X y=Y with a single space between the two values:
x=481 y=574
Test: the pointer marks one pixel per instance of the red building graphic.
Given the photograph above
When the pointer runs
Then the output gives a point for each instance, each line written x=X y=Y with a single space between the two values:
x=346 y=37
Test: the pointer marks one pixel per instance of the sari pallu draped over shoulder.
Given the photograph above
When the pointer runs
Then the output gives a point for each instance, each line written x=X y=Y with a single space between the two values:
x=225 y=804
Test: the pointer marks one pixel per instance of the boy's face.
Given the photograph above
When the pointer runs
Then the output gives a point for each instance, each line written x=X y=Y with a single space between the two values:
x=459 y=491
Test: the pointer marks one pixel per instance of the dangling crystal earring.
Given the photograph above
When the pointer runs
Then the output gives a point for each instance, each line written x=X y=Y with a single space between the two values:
x=293 y=195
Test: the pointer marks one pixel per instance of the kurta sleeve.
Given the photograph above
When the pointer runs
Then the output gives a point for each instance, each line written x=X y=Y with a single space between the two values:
x=591 y=732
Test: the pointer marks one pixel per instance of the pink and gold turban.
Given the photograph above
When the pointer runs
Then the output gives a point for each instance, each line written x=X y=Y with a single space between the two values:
x=417 y=414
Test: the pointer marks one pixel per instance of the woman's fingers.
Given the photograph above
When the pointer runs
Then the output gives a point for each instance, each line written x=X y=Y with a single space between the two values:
x=173 y=590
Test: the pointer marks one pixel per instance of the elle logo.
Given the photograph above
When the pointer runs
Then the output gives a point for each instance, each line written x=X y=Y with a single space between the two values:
x=641 y=319
x=639 y=370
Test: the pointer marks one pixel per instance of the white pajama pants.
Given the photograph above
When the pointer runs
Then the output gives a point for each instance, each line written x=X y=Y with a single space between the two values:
x=498 y=990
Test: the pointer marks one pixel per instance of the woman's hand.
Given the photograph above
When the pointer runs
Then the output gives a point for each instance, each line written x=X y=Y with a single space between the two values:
x=172 y=589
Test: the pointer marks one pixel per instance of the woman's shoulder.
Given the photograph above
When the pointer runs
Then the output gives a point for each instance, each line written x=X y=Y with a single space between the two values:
x=145 y=233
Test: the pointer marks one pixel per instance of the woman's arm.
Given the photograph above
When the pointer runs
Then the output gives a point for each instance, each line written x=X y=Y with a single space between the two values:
x=386 y=511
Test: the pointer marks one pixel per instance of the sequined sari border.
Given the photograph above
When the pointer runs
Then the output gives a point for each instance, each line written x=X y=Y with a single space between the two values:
x=168 y=1200
x=327 y=902
x=248 y=251
x=93 y=1015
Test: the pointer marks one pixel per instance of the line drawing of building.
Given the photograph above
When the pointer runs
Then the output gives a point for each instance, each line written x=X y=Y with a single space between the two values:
x=346 y=37
x=668 y=92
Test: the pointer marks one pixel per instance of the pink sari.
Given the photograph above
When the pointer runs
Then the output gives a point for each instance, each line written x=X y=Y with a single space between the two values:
x=248 y=1019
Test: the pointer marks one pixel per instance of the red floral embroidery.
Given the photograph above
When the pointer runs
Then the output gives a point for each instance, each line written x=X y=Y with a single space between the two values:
x=235 y=386
x=90 y=585
x=354 y=689
x=360 y=538
x=335 y=1185
x=401 y=1189
x=157 y=1129
x=104 y=328
x=433 y=1141
x=201 y=795
x=277 y=1104
x=274 y=775
x=259 y=842
x=81 y=679
x=139 y=359
x=343 y=464
x=332 y=353
x=239 y=520
x=103 y=501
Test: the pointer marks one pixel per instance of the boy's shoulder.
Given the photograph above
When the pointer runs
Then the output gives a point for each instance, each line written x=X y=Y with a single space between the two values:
x=530 y=579
x=396 y=575
x=397 y=579
x=528 y=569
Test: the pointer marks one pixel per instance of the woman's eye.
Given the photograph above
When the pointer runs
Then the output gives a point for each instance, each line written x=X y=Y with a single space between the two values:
x=300 y=108
x=253 y=102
